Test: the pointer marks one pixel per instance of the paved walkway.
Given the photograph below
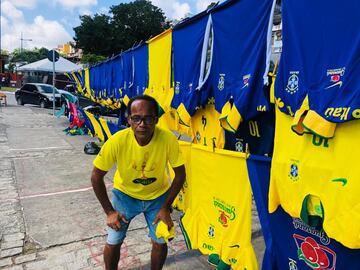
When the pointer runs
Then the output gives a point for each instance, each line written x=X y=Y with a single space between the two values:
x=49 y=216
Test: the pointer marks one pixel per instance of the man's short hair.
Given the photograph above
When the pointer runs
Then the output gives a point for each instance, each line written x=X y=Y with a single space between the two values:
x=152 y=100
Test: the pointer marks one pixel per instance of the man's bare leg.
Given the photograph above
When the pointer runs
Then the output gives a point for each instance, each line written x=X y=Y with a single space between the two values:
x=158 y=255
x=112 y=256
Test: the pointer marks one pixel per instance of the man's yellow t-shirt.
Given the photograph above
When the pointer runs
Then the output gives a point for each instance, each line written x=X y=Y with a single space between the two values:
x=141 y=170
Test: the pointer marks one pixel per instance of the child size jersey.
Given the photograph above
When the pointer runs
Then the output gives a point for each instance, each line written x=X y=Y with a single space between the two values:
x=290 y=243
x=140 y=69
x=239 y=63
x=182 y=200
x=141 y=170
x=187 y=44
x=221 y=200
x=160 y=69
x=205 y=128
x=325 y=168
x=320 y=59
x=257 y=134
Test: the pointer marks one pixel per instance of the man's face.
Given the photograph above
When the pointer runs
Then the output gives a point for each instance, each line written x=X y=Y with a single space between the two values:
x=142 y=120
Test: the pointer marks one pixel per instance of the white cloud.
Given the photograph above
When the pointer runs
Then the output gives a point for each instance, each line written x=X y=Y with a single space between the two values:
x=30 y=4
x=173 y=9
x=42 y=32
x=203 y=4
x=71 y=4
x=10 y=11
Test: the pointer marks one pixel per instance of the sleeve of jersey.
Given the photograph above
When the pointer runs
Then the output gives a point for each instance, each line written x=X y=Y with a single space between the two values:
x=175 y=157
x=106 y=157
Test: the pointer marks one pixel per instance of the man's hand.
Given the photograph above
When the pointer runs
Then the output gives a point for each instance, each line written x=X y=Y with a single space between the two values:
x=113 y=220
x=164 y=215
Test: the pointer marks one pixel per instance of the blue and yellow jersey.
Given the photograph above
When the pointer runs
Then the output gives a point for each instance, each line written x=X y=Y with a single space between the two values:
x=239 y=61
x=325 y=168
x=324 y=69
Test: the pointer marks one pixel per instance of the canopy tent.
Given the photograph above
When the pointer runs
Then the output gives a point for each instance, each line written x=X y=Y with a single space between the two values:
x=61 y=66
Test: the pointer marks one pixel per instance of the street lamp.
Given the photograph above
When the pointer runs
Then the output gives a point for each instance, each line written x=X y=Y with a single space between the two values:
x=21 y=43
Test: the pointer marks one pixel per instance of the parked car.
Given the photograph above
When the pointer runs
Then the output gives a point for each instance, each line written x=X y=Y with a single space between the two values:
x=39 y=94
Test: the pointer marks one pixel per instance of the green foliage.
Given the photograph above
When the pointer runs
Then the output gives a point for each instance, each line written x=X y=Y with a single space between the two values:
x=92 y=59
x=128 y=24
x=28 y=56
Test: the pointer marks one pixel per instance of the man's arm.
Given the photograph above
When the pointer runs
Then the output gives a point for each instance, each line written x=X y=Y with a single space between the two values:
x=164 y=213
x=97 y=181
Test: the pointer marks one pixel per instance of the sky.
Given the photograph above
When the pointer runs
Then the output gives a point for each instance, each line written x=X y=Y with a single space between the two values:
x=49 y=23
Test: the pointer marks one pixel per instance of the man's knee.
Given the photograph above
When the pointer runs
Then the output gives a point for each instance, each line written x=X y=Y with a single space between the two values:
x=112 y=248
x=159 y=246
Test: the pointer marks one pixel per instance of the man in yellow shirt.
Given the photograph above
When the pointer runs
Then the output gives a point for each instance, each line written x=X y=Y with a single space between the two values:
x=141 y=154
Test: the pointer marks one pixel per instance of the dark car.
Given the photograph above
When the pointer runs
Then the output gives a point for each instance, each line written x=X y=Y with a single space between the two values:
x=38 y=94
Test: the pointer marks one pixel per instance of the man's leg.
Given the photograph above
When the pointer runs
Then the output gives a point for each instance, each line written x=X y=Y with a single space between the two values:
x=158 y=255
x=111 y=256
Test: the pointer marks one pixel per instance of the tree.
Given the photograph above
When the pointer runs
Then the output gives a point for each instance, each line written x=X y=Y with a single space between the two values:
x=127 y=25
x=94 y=35
x=91 y=59
x=28 y=56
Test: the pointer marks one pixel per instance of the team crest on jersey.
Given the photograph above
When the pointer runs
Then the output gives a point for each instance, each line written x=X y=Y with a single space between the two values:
x=246 y=79
x=211 y=231
x=293 y=82
x=221 y=82
x=315 y=255
x=294 y=171
x=239 y=146
x=177 y=88
x=335 y=76
x=198 y=136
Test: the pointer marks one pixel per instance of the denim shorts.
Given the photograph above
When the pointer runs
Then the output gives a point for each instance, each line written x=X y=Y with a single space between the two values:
x=130 y=207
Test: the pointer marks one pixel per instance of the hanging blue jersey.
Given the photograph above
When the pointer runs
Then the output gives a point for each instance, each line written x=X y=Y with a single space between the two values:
x=257 y=134
x=187 y=42
x=239 y=59
x=127 y=73
x=117 y=76
x=108 y=78
x=140 y=69
x=321 y=48
x=290 y=243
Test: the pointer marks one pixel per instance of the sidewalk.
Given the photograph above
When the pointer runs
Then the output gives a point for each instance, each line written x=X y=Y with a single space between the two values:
x=49 y=216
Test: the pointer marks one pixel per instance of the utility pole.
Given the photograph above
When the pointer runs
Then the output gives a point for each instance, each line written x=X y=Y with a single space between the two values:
x=21 y=43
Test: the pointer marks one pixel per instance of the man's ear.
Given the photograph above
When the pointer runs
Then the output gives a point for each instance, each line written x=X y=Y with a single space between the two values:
x=156 y=119
x=128 y=120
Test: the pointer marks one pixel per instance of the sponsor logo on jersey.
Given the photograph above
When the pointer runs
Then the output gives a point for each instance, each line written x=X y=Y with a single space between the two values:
x=293 y=82
x=335 y=77
x=177 y=88
x=294 y=170
x=301 y=225
x=226 y=211
x=208 y=247
x=221 y=82
x=314 y=255
x=246 y=79
x=198 y=136
x=343 y=181
x=292 y=264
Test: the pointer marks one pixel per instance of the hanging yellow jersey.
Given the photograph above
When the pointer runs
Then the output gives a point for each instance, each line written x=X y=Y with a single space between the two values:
x=221 y=204
x=160 y=69
x=206 y=129
x=325 y=168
